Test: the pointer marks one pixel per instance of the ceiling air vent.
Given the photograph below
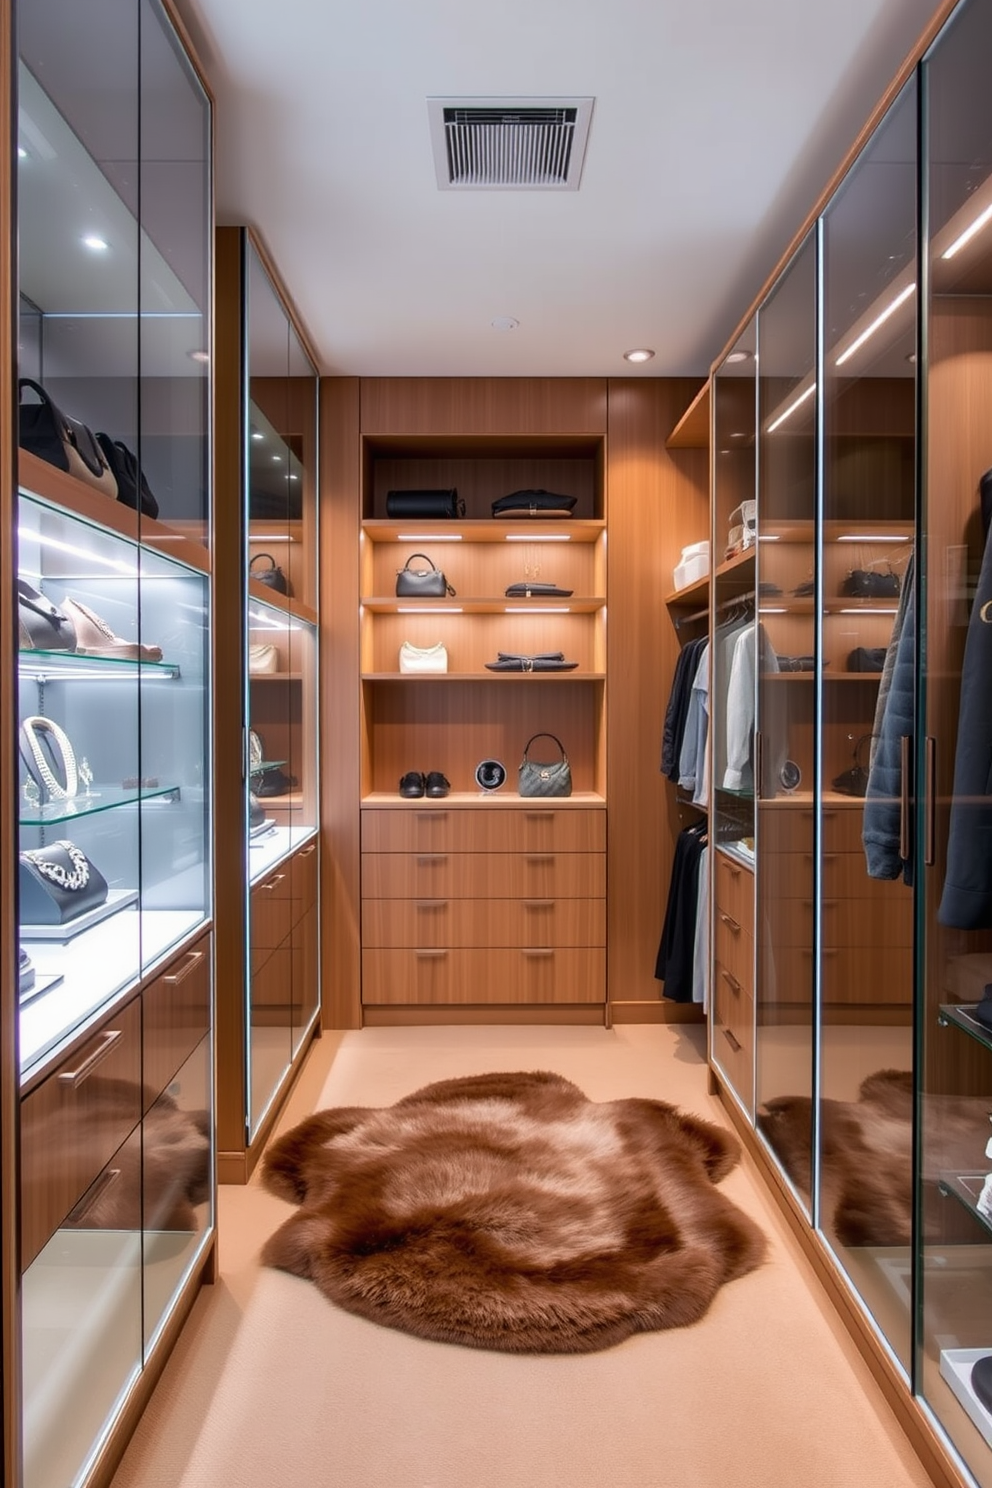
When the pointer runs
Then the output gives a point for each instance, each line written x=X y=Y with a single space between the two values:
x=510 y=144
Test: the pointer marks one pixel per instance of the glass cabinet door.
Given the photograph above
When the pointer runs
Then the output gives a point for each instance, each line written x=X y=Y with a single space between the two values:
x=783 y=646
x=869 y=508
x=952 y=847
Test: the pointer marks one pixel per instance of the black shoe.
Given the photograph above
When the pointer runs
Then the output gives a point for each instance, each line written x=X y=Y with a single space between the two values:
x=436 y=785
x=412 y=785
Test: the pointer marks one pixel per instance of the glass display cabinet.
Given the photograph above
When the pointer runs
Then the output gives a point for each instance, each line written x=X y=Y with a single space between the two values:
x=268 y=457
x=114 y=1041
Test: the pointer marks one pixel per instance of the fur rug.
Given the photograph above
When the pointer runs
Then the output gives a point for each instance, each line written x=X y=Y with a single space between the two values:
x=508 y=1211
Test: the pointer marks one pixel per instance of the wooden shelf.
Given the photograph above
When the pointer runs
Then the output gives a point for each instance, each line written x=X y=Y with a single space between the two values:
x=691 y=597
x=262 y=594
x=482 y=801
x=391 y=605
x=529 y=677
x=275 y=677
x=523 y=529
x=693 y=429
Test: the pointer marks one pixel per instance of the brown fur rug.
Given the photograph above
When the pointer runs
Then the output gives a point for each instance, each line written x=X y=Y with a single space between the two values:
x=508 y=1211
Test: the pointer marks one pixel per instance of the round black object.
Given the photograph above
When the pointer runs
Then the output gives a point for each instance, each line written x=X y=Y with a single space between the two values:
x=981 y=1380
x=489 y=774
x=790 y=775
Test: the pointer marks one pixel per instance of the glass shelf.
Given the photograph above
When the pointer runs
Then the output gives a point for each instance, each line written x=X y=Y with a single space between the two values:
x=963 y=1017
x=966 y=1188
x=106 y=799
x=71 y=666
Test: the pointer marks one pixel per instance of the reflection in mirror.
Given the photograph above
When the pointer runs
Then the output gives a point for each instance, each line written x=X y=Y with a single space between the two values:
x=866 y=932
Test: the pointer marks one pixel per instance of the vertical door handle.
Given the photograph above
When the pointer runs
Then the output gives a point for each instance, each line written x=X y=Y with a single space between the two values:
x=905 y=764
x=930 y=821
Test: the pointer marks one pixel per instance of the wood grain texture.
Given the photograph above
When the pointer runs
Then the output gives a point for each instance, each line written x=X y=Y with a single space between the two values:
x=468 y=923
x=175 y=1017
x=343 y=755
x=657 y=502
x=525 y=828
x=524 y=976
x=475 y=406
x=449 y=875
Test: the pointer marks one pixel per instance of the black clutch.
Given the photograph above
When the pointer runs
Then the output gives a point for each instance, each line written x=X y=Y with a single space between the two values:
x=57 y=884
x=544 y=661
x=528 y=590
x=432 y=505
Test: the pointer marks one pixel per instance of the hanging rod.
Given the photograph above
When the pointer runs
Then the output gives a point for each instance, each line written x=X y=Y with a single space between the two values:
x=747 y=598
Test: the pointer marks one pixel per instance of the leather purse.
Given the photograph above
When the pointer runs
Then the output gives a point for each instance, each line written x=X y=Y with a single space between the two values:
x=44 y=430
x=866 y=659
x=421 y=583
x=534 y=503
x=58 y=883
x=41 y=625
x=262 y=660
x=434 y=504
x=539 y=779
x=864 y=583
x=423 y=658
x=272 y=577
x=529 y=590
x=132 y=488
x=854 y=781
x=543 y=661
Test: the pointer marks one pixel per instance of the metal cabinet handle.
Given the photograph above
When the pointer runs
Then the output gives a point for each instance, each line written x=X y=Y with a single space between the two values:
x=192 y=960
x=904 y=769
x=539 y=857
x=734 y=1043
x=730 y=922
x=430 y=955
x=930 y=822
x=271 y=883
x=539 y=815
x=732 y=981
x=538 y=903
x=96 y=1191
x=76 y=1077
x=430 y=860
x=536 y=952
x=307 y=852
x=431 y=903
x=431 y=816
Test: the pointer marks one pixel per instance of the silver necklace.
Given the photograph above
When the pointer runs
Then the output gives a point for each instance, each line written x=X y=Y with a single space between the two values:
x=76 y=878
x=30 y=729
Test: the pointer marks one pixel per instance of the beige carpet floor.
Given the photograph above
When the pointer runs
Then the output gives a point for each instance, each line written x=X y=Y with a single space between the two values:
x=270 y=1385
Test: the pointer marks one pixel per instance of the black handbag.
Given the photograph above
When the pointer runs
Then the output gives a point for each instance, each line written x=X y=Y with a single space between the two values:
x=407 y=505
x=132 y=488
x=538 y=779
x=534 y=503
x=529 y=590
x=41 y=625
x=272 y=577
x=57 y=884
x=44 y=430
x=866 y=659
x=543 y=661
x=854 y=781
x=864 y=583
x=421 y=583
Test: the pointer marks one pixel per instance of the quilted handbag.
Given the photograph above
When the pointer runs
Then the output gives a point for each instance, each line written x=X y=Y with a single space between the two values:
x=58 y=883
x=423 y=658
x=538 y=779
x=421 y=583
x=44 y=430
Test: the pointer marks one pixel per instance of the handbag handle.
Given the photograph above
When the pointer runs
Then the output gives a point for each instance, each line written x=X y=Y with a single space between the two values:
x=561 y=746
x=272 y=561
x=418 y=555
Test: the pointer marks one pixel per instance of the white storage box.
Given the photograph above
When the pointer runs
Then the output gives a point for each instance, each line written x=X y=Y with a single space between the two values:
x=694 y=564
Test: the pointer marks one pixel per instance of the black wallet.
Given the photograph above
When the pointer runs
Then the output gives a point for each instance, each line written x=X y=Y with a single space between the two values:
x=528 y=590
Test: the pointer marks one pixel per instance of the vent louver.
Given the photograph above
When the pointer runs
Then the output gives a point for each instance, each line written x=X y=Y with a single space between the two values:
x=510 y=143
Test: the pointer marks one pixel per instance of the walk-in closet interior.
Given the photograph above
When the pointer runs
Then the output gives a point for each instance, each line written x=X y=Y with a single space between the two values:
x=755 y=635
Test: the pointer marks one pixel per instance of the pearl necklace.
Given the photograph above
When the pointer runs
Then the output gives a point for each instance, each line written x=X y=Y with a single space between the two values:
x=38 y=763
x=76 y=878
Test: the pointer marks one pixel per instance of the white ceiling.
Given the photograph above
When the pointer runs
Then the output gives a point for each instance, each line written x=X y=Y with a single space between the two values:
x=716 y=125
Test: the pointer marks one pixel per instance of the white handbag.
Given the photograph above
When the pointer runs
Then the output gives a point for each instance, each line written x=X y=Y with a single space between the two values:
x=423 y=658
x=262 y=659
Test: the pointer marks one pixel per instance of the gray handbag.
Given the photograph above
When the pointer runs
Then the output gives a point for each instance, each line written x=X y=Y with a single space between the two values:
x=421 y=583
x=538 y=779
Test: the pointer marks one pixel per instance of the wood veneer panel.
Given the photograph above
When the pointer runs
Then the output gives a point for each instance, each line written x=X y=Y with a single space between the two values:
x=464 y=923
x=444 y=875
x=499 y=406
x=479 y=976
x=340 y=702
x=523 y=828
x=658 y=502
x=175 y=1017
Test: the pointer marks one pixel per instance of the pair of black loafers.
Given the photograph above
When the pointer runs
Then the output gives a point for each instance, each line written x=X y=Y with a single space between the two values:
x=434 y=784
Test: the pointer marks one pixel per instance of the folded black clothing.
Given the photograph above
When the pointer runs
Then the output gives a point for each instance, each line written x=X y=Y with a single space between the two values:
x=766 y=587
x=548 y=662
x=535 y=500
x=805 y=589
x=866 y=659
x=796 y=663
x=527 y=590
x=530 y=655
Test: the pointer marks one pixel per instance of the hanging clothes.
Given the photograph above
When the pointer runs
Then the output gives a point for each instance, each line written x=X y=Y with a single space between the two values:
x=694 y=755
x=751 y=649
x=678 y=707
x=677 y=950
x=895 y=714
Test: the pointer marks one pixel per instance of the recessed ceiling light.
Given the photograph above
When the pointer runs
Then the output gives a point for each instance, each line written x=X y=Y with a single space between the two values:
x=739 y=356
x=639 y=354
x=504 y=323
x=97 y=245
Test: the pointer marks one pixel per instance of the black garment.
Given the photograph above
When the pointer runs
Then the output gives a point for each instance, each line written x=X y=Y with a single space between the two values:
x=966 y=902
x=678 y=707
x=674 y=963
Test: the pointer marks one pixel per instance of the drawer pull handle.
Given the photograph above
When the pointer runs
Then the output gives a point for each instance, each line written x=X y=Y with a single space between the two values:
x=431 y=816
x=271 y=883
x=730 y=922
x=191 y=962
x=76 y=1077
x=307 y=852
x=536 y=952
x=431 y=860
x=540 y=857
x=431 y=903
x=95 y=1192
x=539 y=815
x=430 y=955
x=538 y=903
x=731 y=981
x=734 y=1043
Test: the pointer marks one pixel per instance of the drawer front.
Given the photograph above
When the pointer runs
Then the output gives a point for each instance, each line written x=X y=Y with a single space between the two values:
x=790 y=828
x=271 y=911
x=734 y=888
x=734 y=948
x=73 y=1123
x=852 y=976
x=303 y=879
x=733 y=1033
x=272 y=984
x=845 y=922
x=438 y=875
x=485 y=829
x=483 y=922
x=843 y=876
x=175 y=1017
x=465 y=977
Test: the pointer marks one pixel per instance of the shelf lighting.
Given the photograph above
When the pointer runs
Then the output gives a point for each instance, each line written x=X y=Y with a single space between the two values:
x=539 y=609
x=879 y=320
x=874 y=537
x=867 y=610
x=969 y=233
x=279 y=537
x=429 y=608
x=428 y=537
x=53 y=542
x=266 y=622
x=525 y=537
x=792 y=407
x=769 y=537
x=773 y=610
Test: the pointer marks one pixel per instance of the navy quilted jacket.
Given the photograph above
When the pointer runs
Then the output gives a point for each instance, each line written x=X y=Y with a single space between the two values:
x=894 y=716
